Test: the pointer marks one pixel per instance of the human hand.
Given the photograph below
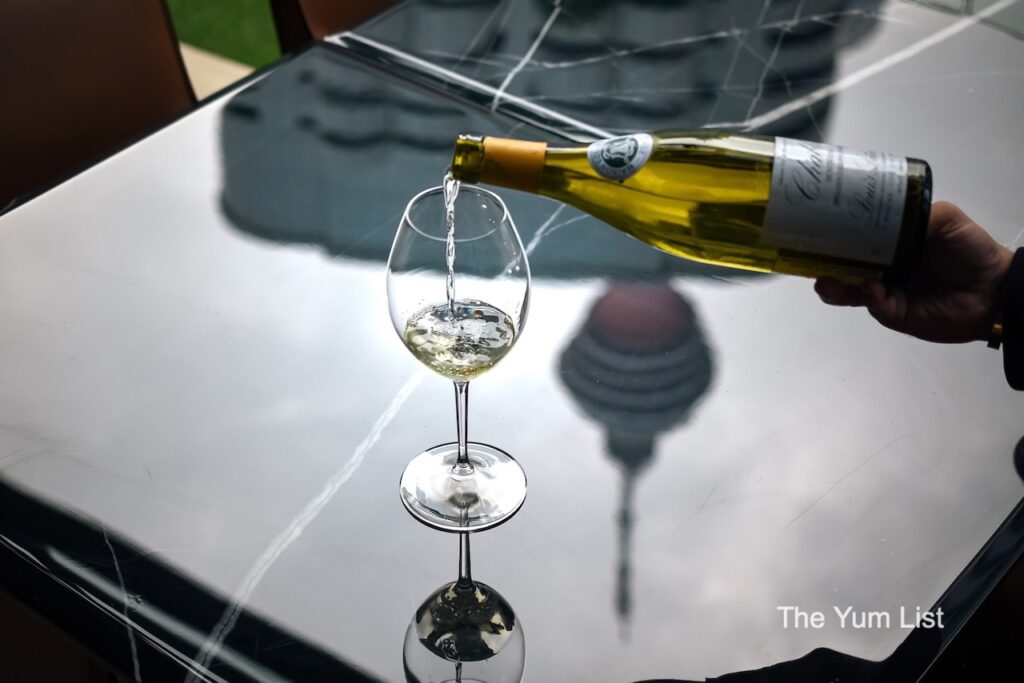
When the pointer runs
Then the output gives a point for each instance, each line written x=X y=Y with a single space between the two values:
x=950 y=298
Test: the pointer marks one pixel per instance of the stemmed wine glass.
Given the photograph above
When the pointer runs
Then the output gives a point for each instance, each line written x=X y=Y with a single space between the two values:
x=458 y=300
x=465 y=632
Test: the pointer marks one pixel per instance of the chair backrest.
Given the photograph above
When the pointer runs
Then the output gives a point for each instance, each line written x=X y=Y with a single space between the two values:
x=79 y=79
x=300 y=21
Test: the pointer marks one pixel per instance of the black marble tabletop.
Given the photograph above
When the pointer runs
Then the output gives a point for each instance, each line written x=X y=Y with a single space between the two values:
x=204 y=410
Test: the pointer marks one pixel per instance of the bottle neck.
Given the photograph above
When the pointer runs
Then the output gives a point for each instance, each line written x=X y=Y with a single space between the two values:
x=515 y=164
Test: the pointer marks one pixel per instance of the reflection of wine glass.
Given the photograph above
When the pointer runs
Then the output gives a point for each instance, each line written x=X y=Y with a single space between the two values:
x=464 y=632
x=459 y=333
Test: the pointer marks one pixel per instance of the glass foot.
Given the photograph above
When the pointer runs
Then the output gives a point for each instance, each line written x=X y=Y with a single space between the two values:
x=436 y=495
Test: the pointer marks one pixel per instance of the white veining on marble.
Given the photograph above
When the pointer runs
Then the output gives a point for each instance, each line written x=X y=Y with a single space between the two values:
x=494 y=59
x=627 y=52
x=641 y=95
x=741 y=45
x=288 y=536
x=583 y=27
x=770 y=63
x=136 y=670
x=528 y=56
x=88 y=577
x=21 y=551
x=849 y=474
x=539 y=235
x=1018 y=240
x=507 y=7
x=870 y=70
x=514 y=129
x=734 y=32
x=453 y=77
x=549 y=227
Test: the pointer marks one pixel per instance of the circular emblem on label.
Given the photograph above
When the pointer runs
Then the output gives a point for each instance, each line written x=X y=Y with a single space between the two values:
x=621 y=157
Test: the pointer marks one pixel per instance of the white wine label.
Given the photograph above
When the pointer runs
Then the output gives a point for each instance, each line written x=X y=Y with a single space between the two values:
x=835 y=201
x=621 y=157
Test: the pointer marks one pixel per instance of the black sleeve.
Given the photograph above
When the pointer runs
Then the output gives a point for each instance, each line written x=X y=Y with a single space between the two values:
x=1012 y=305
x=819 y=666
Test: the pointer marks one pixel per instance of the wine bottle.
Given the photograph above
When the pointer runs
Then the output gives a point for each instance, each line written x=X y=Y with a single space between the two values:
x=744 y=201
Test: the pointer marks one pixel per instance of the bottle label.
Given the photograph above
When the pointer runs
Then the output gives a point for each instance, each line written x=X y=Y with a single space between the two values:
x=835 y=201
x=621 y=157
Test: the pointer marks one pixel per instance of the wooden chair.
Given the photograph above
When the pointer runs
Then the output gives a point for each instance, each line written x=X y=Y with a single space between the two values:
x=299 y=22
x=80 y=79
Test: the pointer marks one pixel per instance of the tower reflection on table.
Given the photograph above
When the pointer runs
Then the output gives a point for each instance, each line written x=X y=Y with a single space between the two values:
x=638 y=366
x=464 y=632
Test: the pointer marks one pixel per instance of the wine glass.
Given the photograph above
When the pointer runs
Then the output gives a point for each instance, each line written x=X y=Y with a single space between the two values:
x=458 y=300
x=465 y=632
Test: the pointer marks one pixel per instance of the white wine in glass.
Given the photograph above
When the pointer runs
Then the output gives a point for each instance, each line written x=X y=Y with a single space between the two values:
x=458 y=292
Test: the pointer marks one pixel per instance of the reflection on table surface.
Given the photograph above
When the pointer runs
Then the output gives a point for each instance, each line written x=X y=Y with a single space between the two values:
x=464 y=631
x=195 y=356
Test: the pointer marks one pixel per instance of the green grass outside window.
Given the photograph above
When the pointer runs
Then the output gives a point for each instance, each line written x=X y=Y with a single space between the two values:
x=242 y=30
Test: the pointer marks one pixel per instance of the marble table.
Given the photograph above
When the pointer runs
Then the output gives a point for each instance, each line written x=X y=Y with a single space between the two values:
x=204 y=410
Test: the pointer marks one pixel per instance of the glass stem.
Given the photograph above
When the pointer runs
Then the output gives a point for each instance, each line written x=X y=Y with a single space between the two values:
x=465 y=577
x=463 y=467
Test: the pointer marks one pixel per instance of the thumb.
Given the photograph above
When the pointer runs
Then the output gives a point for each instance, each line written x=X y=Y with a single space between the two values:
x=887 y=306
